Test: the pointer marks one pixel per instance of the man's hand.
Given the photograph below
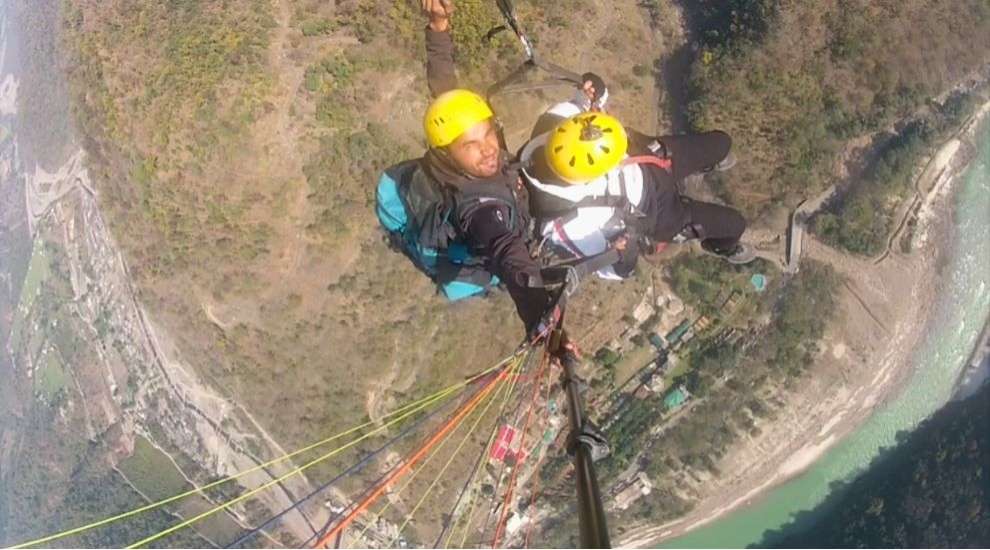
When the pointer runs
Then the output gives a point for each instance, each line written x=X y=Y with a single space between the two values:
x=595 y=90
x=570 y=346
x=439 y=12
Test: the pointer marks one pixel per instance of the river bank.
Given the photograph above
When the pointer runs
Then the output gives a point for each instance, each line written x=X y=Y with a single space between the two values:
x=977 y=370
x=867 y=356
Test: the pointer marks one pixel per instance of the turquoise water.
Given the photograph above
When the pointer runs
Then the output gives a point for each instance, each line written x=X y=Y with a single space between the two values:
x=939 y=360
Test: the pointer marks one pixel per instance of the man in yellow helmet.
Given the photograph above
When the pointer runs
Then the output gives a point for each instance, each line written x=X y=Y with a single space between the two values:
x=594 y=186
x=460 y=212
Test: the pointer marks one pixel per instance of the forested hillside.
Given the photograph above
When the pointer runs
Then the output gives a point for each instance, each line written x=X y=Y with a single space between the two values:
x=930 y=491
x=235 y=145
x=792 y=81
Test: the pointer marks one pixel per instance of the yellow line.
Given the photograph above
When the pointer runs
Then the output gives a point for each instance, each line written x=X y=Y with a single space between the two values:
x=474 y=495
x=443 y=470
x=422 y=467
x=279 y=479
x=160 y=503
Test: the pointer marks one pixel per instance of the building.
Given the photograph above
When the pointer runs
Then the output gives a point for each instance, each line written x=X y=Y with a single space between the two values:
x=656 y=383
x=640 y=486
x=674 y=336
x=732 y=303
x=643 y=312
x=514 y=523
x=702 y=324
x=503 y=442
x=657 y=340
x=676 y=398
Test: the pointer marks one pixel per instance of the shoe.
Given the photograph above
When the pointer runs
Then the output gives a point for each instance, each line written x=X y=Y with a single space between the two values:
x=727 y=163
x=738 y=255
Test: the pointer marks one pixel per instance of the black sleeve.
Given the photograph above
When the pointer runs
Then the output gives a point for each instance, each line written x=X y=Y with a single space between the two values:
x=510 y=260
x=440 y=70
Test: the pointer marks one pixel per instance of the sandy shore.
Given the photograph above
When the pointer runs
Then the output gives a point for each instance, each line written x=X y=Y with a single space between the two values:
x=866 y=358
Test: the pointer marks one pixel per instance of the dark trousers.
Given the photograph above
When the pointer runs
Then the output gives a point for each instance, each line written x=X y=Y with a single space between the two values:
x=670 y=214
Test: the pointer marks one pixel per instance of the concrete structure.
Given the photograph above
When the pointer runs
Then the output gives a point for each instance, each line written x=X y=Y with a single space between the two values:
x=640 y=486
x=656 y=383
x=643 y=312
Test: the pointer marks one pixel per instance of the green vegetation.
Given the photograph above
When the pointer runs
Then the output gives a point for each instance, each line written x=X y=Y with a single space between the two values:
x=151 y=471
x=64 y=482
x=633 y=361
x=51 y=376
x=236 y=144
x=38 y=270
x=862 y=221
x=707 y=283
x=728 y=381
x=787 y=81
x=201 y=82
x=929 y=491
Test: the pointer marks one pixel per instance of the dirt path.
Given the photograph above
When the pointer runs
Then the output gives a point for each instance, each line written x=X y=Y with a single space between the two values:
x=285 y=137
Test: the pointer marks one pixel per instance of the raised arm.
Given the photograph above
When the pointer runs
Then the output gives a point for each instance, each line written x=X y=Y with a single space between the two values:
x=440 y=72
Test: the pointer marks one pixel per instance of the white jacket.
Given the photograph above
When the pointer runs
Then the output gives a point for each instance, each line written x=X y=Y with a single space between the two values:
x=586 y=231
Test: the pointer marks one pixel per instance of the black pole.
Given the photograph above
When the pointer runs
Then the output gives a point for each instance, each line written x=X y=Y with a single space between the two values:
x=591 y=512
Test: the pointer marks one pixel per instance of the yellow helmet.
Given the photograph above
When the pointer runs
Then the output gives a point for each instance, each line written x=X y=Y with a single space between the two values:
x=586 y=146
x=453 y=113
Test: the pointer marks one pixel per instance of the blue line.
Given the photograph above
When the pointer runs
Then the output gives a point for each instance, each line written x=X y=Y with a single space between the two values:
x=326 y=485
x=360 y=497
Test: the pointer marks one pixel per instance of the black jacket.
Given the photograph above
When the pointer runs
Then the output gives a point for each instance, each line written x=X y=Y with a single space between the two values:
x=488 y=228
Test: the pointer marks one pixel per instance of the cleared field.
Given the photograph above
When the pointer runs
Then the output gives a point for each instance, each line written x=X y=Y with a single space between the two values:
x=38 y=271
x=51 y=376
x=632 y=361
x=153 y=473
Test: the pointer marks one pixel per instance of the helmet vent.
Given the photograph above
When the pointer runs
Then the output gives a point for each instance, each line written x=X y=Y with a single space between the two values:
x=606 y=149
x=558 y=148
x=591 y=159
x=573 y=162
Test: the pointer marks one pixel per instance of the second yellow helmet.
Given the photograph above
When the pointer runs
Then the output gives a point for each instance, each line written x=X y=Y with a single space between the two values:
x=586 y=146
x=453 y=113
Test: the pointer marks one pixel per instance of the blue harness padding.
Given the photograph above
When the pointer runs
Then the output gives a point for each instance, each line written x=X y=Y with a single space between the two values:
x=416 y=214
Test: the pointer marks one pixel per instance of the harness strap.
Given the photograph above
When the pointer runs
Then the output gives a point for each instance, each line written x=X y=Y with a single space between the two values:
x=665 y=164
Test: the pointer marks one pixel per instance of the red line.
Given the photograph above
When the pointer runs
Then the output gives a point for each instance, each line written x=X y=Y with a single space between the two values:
x=522 y=447
x=536 y=482
x=444 y=429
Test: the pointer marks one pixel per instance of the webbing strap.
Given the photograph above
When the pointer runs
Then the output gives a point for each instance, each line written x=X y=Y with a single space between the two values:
x=665 y=164
x=572 y=273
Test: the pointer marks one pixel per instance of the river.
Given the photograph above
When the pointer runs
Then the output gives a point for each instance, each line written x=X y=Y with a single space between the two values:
x=939 y=360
